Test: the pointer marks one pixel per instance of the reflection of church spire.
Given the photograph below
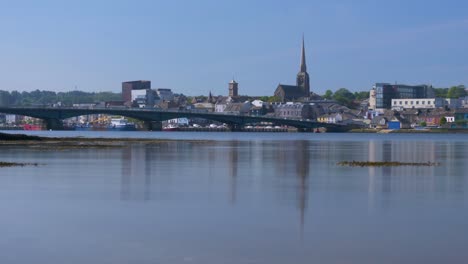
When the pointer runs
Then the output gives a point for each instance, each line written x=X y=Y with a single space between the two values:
x=302 y=170
x=233 y=161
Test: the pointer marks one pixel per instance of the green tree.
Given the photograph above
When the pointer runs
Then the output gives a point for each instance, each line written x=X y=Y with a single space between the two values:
x=441 y=92
x=443 y=121
x=274 y=99
x=423 y=124
x=39 y=97
x=344 y=97
x=328 y=95
x=4 y=98
x=456 y=92
x=361 y=95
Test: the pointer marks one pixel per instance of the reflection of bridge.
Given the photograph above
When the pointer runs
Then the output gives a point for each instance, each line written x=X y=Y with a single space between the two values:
x=53 y=117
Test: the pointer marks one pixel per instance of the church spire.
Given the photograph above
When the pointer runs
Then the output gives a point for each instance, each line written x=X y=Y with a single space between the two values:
x=302 y=79
x=303 y=60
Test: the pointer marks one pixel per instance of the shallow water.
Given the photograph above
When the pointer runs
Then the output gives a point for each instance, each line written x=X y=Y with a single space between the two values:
x=241 y=198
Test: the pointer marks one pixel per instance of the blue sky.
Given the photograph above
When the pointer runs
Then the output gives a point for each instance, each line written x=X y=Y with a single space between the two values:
x=195 y=47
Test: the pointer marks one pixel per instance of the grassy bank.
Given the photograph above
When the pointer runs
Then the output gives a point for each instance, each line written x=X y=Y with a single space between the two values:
x=385 y=164
x=4 y=164
x=62 y=143
x=14 y=137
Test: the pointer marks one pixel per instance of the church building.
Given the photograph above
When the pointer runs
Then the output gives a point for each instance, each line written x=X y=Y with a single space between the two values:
x=300 y=91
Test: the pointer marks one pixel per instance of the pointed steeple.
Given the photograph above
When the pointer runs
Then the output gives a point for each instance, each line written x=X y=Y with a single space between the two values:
x=302 y=79
x=210 y=98
x=303 y=60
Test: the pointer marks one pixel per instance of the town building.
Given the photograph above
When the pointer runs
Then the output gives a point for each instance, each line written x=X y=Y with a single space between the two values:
x=128 y=87
x=238 y=108
x=233 y=88
x=426 y=103
x=204 y=107
x=381 y=95
x=165 y=94
x=302 y=88
x=294 y=111
x=330 y=118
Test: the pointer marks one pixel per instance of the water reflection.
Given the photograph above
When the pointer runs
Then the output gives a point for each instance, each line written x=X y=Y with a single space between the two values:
x=147 y=169
x=136 y=174
x=233 y=167
x=265 y=200
x=302 y=171
x=283 y=169
x=279 y=162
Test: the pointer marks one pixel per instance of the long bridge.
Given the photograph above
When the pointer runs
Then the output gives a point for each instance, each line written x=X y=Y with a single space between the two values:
x=152 y=118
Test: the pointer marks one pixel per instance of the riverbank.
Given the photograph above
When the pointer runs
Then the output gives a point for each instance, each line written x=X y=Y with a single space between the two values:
x=411 y=131
x=16 y=137
x=79 y=142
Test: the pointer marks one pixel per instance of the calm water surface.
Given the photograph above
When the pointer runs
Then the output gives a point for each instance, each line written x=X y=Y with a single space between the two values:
x=241 y=198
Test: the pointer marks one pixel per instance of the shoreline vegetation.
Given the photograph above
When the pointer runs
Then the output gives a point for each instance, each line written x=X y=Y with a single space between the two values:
x=411 y=131
x=63 y=143
x=385 y=164
x=4 y=164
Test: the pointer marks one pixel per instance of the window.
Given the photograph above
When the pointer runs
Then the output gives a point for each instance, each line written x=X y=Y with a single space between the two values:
x=423 y=102
x=411 y=102
x=417 y=102
x=401 y=102
x=406 y=102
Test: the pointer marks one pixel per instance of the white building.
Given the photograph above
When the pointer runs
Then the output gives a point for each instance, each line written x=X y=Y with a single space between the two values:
x=372 y=99
x=138 y=94
x=464 y=102
x=257 y=103
x=220 y=106
x=179 y=121
x=11 y=119
x=426 y=103
x=450 y=119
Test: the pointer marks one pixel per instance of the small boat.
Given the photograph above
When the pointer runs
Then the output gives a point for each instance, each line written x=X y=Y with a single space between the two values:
x=32 y=127
x=83 y=127
x=121 y=124
x=171 y=127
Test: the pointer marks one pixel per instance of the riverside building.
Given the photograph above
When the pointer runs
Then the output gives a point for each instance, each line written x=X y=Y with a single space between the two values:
x=382 y=94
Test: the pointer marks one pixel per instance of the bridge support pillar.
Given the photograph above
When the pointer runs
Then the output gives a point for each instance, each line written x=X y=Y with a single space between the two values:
x=53 y=124
x=152 y=125
x=235 y=127
x=304 y=130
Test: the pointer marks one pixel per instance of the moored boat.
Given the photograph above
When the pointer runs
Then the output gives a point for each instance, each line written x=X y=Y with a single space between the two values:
x=121 y=124
x=32 y=127
x=171 y=127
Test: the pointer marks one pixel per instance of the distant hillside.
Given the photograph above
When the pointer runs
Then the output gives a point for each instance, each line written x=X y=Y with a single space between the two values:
x=38 y=97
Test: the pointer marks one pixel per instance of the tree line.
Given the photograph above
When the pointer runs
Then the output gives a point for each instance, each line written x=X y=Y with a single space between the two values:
x=452 y=92
x=46 y=98
x=345 y=97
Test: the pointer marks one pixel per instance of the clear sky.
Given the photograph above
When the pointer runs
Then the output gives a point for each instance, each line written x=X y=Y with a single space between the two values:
x=195 y=47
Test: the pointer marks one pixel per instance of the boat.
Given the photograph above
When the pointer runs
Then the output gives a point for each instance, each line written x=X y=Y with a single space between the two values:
x=83 y=127
x=32 y=127
x=171 y=127
x=121 y=124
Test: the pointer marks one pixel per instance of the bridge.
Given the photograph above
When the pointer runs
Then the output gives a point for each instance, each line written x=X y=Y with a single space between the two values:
x=152 y=118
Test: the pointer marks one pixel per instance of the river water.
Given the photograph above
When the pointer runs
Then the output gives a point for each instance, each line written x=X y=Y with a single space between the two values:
x=240 y=198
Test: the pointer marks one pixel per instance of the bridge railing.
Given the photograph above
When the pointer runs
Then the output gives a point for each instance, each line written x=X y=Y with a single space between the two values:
x=158 y=110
